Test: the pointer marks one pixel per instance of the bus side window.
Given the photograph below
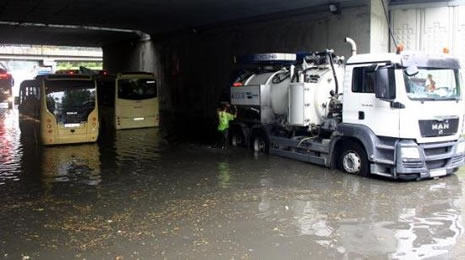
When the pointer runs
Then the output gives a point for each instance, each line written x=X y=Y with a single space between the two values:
x=21 y=96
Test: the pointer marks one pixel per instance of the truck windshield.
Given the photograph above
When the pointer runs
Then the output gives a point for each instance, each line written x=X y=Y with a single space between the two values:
x=433 y=84
x=137 y=89
x=71 y=101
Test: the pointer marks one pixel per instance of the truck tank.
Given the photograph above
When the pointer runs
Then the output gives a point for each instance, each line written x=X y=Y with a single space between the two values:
x=303 y=102
x=308 y=101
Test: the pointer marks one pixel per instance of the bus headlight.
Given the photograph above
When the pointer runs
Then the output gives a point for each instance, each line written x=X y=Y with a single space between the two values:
x=460 y=148
x=410 y=153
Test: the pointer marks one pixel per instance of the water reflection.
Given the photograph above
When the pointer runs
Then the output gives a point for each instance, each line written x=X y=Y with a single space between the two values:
x=224 y=175
x=23 y=159
x=360 y=218
x=71 y=163
x=10 y=146
x=136 y=150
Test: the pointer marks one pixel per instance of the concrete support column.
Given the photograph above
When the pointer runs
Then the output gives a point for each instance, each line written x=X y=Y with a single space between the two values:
x=379 y=30
x=129 y=56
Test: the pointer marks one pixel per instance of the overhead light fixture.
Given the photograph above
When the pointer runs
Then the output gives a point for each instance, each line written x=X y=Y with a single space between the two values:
x=334 y=8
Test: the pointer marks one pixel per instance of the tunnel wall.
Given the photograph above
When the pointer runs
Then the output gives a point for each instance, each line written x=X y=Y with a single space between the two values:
x=197 y=66
x=193 y=68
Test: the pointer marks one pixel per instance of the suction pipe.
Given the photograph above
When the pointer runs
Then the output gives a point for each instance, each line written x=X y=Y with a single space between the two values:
x=353 y=44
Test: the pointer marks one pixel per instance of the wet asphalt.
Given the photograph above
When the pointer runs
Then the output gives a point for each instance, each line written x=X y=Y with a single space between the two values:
x=137 y=195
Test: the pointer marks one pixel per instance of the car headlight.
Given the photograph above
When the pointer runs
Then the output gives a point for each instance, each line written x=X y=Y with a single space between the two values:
x=460 y=148
x=410 y=153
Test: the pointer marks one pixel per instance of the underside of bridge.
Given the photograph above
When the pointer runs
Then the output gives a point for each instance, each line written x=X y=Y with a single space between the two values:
x=191 y=45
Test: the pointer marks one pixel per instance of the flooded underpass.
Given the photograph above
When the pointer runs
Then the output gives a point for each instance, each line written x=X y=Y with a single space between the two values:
x=135 y=195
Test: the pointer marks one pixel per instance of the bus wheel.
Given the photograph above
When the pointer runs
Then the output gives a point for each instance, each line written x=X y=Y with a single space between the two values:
x=260 y=144
x=236 y=138
x=353 y=159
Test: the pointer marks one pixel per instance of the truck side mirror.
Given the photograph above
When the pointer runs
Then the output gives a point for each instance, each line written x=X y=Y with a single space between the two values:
x=385 y=87
x=411 y=71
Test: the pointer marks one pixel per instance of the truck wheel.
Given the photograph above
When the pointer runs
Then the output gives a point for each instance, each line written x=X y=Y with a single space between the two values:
x=237 y=138
x=260 y=144
x=353 y=159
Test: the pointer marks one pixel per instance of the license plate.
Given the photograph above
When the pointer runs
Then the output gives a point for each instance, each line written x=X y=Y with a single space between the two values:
x=72 y=125
x=437 y=173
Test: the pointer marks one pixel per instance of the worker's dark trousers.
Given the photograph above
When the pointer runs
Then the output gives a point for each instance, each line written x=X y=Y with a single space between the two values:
x=223 y=138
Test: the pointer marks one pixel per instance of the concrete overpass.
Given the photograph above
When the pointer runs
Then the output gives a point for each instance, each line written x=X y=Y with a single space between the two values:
x=57 y=53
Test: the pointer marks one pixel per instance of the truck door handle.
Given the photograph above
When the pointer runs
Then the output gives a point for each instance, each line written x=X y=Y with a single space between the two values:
x=361 y=115
x=397 y=105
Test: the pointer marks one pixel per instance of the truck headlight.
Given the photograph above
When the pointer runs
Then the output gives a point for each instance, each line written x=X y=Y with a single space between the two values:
x=410 y=153
x=460 y=148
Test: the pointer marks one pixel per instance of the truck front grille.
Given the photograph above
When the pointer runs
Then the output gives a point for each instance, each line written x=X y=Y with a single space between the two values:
x=437 y=155
x=437 y=151
x=412 y=165
x=431 y=128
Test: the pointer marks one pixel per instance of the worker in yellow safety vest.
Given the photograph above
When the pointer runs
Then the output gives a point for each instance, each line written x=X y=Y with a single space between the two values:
x=224 y=116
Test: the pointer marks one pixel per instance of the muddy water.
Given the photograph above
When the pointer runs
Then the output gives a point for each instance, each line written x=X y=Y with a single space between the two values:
x=136 y=195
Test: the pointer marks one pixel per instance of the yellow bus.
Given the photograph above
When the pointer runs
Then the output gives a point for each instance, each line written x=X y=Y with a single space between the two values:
x=128 y=100
x=62 y=109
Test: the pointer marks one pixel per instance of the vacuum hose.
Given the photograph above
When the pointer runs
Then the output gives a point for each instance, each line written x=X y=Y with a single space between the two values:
x=331 y=62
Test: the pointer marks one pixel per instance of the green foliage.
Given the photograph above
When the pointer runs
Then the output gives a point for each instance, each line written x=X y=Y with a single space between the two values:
x=74 y=65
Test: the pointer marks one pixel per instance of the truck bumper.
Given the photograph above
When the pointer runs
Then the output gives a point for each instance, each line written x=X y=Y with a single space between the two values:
x=432 y=160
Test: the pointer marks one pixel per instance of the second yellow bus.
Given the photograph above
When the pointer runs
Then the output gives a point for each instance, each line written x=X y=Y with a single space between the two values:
x=129 y=100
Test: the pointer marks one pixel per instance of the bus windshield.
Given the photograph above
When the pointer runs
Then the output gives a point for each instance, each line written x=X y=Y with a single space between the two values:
x=71 y=101
x=137 y=89
x=433 y=84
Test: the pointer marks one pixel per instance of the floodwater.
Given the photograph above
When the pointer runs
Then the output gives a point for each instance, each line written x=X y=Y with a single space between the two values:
x=135 y=195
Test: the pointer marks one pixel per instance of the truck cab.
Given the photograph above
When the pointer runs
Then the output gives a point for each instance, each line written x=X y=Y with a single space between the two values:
x=397 y=115
x=410 y=107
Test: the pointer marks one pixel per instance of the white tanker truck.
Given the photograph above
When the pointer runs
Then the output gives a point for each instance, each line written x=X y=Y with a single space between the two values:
x=397 y=115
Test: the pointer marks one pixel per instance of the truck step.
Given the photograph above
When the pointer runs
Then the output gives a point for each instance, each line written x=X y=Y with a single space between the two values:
x=385 y=147
x=300 y=156
x=384 y=161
